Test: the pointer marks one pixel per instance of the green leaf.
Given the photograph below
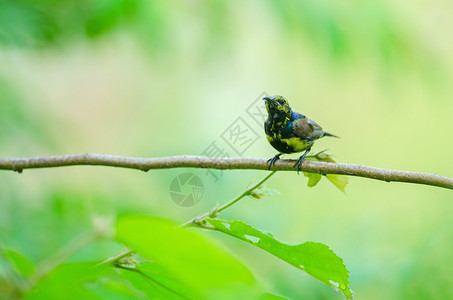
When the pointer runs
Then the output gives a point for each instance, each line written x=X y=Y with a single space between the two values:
x=104 y=15
x=313 y=178
x=314 y=258
x=321 y=156
x=83 y=281
x=340 y=181
x=154 y=281
x=20 y=262
x=190 y=259
x=270 y=296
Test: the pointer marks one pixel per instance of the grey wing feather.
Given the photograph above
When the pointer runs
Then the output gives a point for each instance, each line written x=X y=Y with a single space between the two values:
x=307 y=129
x=317 y=130
x=302 y=128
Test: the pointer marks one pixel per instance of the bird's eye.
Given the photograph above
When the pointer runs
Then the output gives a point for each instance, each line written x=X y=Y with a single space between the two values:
x=281 y=101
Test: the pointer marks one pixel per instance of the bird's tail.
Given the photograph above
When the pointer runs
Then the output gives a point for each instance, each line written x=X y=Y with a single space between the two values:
x=329 y=134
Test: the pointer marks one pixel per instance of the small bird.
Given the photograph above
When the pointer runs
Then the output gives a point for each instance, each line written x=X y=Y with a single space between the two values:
x=288 y=131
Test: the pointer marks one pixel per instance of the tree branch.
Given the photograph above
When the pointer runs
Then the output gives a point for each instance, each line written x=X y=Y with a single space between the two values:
x=186 y=161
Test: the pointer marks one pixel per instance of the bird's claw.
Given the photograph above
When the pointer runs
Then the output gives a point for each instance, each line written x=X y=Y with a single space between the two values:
x=299 y=164
x=300 y=161
x=271 y=161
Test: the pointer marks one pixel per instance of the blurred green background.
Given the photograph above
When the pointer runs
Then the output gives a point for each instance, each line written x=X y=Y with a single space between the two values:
x=160 y=78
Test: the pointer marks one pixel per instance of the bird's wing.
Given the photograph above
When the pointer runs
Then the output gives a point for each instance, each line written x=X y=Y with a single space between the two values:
x=307 y=129
x=317 y=130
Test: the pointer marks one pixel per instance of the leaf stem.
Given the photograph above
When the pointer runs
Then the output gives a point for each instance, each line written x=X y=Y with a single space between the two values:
x=246 y=192
x=198 y=221
x=117 y=257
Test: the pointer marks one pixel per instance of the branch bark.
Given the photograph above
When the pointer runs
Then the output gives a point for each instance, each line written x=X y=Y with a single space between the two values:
x=186 y=161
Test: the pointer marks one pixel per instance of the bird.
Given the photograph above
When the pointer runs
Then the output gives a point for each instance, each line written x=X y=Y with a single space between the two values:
x=288 y=131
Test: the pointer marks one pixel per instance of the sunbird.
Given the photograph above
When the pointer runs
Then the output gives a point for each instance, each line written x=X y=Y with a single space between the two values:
x=288 y=131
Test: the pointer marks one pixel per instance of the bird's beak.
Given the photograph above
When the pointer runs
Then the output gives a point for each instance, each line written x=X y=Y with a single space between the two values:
x=272 y=102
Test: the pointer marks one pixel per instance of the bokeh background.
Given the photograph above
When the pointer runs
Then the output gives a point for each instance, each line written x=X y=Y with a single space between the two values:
x=160 y=78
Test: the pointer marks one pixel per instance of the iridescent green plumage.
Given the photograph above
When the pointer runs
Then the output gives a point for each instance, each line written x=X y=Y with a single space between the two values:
x=288 y=131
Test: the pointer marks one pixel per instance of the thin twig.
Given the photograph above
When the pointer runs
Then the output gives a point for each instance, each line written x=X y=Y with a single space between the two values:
x=217 y=210
x=101 y=229
x=245 y=193
x=117 y=257
x=61 y=255
x=145 y=164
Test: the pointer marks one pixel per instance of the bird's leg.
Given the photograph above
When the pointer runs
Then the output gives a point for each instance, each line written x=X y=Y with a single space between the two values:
x=301 y=160
x=271 y=162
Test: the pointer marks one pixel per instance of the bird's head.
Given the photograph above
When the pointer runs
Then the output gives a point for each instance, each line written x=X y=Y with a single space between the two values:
x=277 y=107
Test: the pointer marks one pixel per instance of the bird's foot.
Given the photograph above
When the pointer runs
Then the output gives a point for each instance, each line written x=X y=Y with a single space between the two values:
x=271 y=162
x=299 y=164
x=300 y=161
